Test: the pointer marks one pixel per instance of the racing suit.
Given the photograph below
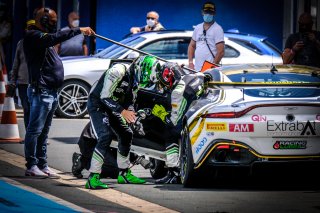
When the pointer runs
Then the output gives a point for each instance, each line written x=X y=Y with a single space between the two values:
x=188 y=89
x=114 y=92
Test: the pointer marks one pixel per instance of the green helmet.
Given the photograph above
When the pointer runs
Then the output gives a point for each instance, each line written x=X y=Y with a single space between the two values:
x=145 y=69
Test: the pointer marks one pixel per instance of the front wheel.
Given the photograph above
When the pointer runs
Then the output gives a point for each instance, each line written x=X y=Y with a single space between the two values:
x=72 y=99
x=188 y=178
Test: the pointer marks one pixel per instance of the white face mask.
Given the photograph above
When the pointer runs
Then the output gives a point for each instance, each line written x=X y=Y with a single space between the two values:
x=151 y=23
x=75 y=23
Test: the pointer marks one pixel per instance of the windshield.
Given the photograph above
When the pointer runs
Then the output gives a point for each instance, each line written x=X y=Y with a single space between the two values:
x=261 y=47
x=280 y=77
x=115 y=51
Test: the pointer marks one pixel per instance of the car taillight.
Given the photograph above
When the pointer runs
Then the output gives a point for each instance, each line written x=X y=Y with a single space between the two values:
x=223 y=147
x=220 y=115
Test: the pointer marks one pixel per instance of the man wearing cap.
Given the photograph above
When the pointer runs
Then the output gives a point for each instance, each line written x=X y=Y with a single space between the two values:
x=207 y=43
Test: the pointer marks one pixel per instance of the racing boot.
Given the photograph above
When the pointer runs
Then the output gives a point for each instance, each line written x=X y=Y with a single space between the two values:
x=125 y=177
x=76 y=165
x=94 y=182
x=172 y=177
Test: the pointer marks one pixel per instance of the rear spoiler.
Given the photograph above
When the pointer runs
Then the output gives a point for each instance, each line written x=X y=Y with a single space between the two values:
x=259 y=85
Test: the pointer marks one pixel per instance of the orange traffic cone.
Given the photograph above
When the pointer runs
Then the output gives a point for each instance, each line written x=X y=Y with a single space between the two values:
x=9 y=130
x=2 y=92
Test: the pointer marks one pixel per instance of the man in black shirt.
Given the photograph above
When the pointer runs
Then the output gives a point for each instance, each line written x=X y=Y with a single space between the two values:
x=46 y=75
x=303 y=47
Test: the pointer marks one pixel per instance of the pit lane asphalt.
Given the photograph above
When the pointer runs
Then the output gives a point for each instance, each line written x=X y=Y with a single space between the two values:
x=233 y=197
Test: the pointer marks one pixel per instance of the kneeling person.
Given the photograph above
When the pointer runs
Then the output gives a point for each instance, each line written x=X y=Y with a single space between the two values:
x=110 y=107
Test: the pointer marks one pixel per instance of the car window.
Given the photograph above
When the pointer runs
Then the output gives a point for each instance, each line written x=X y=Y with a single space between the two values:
x=173 y=48
x=278 y=92
x=247 y=44
x=115 y=51
x=230 y=52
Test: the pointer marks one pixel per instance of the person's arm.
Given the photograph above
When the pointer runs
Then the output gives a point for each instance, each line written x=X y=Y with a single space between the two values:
x=289 y=53
x=135 y=30
x=220 y=52
x=191 y=51
x=51 y=39
x=16 y=64
x=85 y=50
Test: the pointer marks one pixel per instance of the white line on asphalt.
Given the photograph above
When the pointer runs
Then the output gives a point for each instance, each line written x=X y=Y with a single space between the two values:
x=110 y=195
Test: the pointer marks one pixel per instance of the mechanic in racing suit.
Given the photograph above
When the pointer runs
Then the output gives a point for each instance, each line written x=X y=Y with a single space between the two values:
x=147 y=66
x=110 y=106
x=184 y=89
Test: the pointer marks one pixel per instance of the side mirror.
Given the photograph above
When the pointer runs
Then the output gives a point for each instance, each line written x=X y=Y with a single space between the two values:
x=133 y=55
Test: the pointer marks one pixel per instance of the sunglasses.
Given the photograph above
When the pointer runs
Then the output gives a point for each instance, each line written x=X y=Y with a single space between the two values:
x=151 y=18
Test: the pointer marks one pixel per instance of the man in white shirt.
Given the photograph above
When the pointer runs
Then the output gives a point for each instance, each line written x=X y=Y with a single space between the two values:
x=207 y=43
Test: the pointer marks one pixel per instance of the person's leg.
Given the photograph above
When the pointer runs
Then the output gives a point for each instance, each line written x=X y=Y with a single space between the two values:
x=22 y=89
x=48 y=97
x=172 y=156
x=102 y=130
x=38 y=116
x=124 y=135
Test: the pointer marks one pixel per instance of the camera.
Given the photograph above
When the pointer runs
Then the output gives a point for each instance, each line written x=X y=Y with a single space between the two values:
x=305 y=38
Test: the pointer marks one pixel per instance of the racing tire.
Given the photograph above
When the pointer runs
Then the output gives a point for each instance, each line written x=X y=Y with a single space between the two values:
x=72 y=99
x=188 y=178
x=157 y=168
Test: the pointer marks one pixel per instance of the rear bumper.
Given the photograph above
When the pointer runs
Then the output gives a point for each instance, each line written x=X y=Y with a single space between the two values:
x=238 y=155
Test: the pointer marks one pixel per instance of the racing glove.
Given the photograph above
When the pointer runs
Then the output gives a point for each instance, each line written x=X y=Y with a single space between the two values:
x=160 y=112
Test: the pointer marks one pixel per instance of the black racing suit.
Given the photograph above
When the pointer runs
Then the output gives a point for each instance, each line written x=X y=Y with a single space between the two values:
x=114 y=92
x=188 y=89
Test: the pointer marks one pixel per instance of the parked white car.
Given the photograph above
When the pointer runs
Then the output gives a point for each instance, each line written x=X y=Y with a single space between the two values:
x=82 y=72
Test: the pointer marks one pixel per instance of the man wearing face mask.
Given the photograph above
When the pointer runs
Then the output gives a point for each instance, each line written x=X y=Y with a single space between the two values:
x=152 y=21
x=207 y=43
x=303 y=47
x=46 y=74
x=76 y=45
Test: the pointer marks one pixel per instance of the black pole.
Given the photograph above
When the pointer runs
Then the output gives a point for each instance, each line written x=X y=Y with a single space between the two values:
x=139 y=51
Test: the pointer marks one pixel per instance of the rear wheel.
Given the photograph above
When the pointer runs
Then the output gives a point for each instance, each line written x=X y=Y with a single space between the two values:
x=188 y=178
x=157 y=169
x=72 y=99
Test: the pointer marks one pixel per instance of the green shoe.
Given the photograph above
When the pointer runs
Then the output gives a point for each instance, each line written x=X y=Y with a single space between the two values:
x=127 y=177
x=94 y=182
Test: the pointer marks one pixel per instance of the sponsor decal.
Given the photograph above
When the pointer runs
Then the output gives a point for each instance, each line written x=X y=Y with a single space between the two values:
x=283 y=144
x=119 y=90
x=294 y=128
x=259 y=118
x=124 y=84
x=216 y=127
x=318 y=117
x=241 y=128
x=174 y=105
x=210 y=134
x=201 y=144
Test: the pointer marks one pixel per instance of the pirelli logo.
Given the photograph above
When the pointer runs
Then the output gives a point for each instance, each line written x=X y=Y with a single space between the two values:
x=216 y=127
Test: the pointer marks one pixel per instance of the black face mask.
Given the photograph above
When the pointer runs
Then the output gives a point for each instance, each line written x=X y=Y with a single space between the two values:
x=51 y=28
x=305 y=28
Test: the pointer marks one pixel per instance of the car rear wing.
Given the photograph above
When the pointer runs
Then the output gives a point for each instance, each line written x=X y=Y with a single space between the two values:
x=259 y=85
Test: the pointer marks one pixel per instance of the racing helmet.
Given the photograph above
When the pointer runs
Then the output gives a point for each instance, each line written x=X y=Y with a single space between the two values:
x=145 y=70
x=169 y=75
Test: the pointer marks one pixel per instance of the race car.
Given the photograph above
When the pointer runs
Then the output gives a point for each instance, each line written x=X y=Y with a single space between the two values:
x=250 y=116
x=258 y=115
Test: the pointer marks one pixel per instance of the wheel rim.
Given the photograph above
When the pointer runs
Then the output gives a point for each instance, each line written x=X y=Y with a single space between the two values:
x=73 y=100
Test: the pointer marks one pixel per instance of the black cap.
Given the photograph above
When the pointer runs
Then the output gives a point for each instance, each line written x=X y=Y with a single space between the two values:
x=209 y=7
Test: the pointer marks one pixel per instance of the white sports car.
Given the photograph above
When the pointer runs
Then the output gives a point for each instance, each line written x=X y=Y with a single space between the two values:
x=251 y=124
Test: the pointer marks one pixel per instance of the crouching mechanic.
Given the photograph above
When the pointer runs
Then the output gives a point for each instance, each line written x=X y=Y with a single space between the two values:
x=184 y=89
x=110 y=106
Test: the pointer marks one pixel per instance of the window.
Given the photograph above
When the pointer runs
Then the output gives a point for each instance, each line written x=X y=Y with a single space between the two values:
x=174 y=48
x=230 y=52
